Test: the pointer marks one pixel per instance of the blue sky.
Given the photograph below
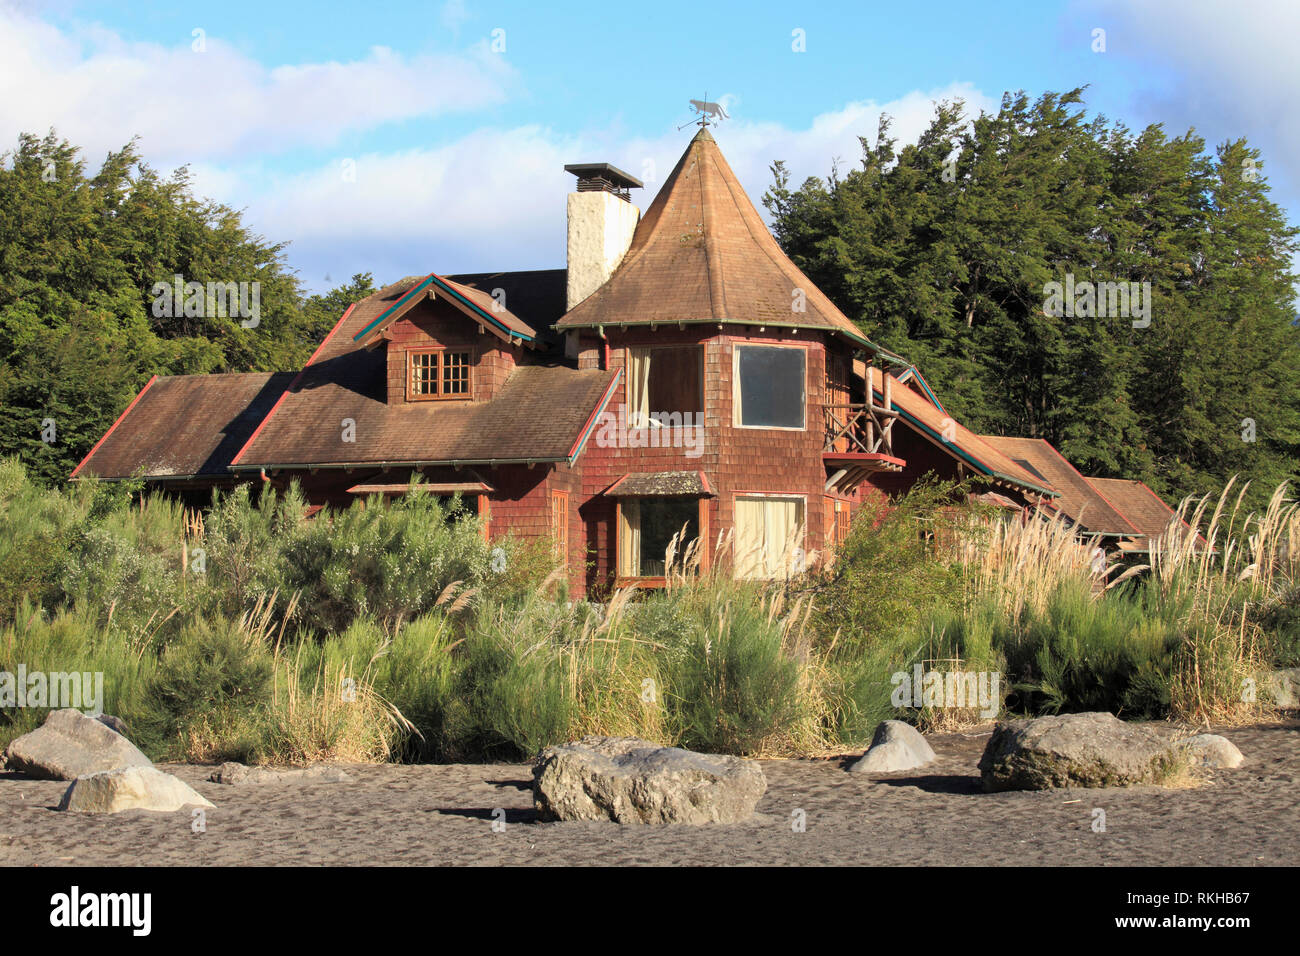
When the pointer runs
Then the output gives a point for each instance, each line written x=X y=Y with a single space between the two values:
x=400 y=138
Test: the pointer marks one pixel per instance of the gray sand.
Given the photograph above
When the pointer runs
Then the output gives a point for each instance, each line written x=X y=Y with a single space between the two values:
x=421 y=815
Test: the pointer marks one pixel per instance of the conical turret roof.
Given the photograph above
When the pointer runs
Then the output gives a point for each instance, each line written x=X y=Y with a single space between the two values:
x=702 y=253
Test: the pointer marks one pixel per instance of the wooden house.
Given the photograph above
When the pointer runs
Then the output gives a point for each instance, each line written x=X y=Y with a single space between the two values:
x=681 y=372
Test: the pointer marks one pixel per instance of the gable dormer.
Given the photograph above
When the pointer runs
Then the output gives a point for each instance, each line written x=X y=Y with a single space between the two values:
x=448 y=342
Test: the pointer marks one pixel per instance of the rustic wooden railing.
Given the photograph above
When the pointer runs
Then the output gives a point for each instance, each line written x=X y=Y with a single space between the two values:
x=862 y=426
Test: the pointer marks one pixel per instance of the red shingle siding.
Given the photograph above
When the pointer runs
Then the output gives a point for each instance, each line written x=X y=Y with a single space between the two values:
x=736 y=460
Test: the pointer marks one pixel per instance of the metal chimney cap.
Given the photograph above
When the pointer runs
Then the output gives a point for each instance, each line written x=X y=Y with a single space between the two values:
x=604 y=171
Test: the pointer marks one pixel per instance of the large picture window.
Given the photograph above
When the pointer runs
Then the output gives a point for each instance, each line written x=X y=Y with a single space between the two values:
x=769 y=386
x=646 y=526
x=769 y=536
x=665 y=381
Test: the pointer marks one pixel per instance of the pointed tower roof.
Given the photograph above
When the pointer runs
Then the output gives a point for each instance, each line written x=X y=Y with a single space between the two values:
x=701 y=253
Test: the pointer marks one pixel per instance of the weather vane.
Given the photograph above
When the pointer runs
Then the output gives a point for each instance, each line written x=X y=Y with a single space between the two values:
x=706 y=113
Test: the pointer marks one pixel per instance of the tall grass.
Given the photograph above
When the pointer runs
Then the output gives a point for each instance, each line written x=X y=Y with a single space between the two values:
x=247 y=632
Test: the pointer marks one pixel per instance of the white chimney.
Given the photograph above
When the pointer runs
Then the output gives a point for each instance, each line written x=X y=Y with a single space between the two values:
x=601 y=222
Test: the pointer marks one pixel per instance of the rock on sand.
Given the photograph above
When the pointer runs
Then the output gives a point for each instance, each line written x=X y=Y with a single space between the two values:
x=1073 y=750
x=70 y=745
x=895 y=746
x=236 y=773
x=634 y=781
x=133 y=788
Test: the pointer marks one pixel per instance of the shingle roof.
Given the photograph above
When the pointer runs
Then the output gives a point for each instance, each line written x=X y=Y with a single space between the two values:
x=1145 y=510
x=925 y=417
x=1081 y=502
x=701 y=253
x=538 y=415
x=660 y=484
x=537 y=296
x=185 y=425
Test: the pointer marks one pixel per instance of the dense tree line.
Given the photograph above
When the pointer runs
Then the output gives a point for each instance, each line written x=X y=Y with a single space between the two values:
x=944 y=251
x=80 y=254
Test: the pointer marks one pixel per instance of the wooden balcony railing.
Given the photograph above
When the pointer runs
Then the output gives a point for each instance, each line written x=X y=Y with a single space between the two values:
x=861 y=427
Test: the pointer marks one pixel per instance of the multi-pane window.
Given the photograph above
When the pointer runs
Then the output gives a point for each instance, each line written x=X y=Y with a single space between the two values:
x=560 y=523
x=438 y=373
x=455 y=373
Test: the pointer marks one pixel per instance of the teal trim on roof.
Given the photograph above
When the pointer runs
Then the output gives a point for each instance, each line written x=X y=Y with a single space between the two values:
x=393 y=308
x=441 y=284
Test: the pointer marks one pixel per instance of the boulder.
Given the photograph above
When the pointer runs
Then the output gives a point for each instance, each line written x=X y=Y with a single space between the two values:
x=1073 y=750
x=237 y=773
x=132 y=788
x=634 y=781
x=70 y=745
x=1282 y=688
x=113 y=723
x=1210 y=750
x=895 y=746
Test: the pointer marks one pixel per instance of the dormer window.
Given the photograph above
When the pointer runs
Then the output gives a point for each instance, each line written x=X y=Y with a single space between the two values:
x=437 y=373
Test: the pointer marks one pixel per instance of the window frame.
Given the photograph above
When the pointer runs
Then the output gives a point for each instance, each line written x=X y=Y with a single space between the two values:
x=441 y=351
x=632 y=414
x=736 y=403
x=735 y=526
x=560 y=525
x=622 y=580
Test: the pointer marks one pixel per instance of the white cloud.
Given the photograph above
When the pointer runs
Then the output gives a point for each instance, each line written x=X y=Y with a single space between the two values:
x=1235 y=66
x=97 y=89
x=492 y=199
x=495 y=199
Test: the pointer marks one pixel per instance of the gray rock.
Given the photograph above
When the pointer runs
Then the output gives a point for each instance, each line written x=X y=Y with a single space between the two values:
x=113 y=723
x=1211 y=750
x=70 y=745
x=237 y=773
x=1073 y=750
x=634 y=781
x=1282 y=688
x=895 y=746
x=132 y=788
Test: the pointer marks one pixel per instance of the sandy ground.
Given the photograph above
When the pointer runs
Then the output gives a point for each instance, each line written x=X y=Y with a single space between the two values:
x=422 y=815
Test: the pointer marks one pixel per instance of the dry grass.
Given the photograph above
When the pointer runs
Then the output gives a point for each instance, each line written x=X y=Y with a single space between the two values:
x=1219 y=562
x=1022 y=563
x=336 y=717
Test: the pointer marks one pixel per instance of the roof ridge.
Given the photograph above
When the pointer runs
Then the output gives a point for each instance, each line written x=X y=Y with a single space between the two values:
x=712 y=255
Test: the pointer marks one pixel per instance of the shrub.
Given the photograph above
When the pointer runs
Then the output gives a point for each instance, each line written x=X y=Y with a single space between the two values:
x=72 y=640
x=388 y=562
x=886 y=574
x=733 y=682
x=210 y=689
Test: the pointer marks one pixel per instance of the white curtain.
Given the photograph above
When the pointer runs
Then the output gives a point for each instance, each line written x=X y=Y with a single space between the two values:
x=629 y=538
x=638 y=387
x=768 y=530
x=749 y=537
